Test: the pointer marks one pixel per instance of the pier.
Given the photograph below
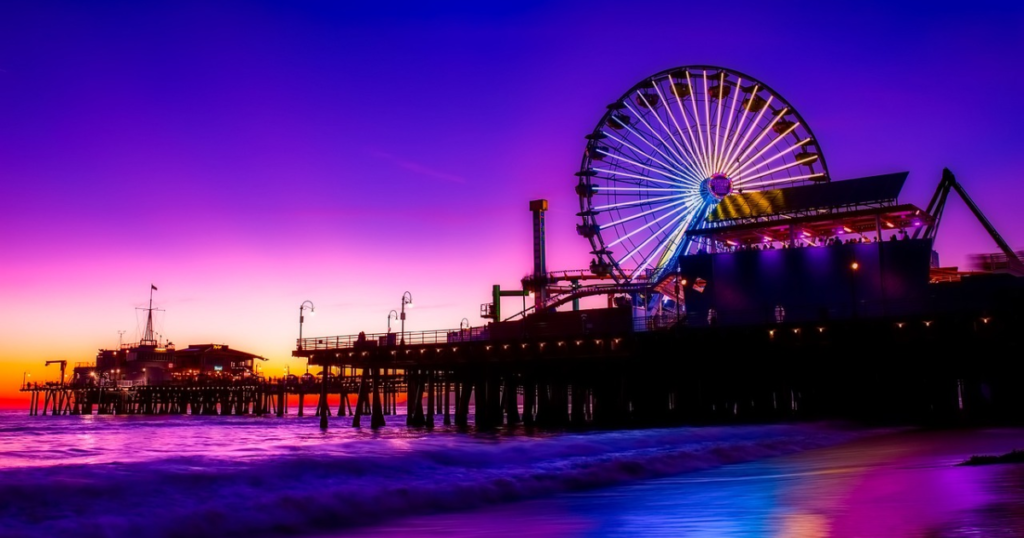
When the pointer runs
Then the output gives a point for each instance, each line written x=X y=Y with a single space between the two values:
x=945 y=367
x=737 y=295
x=935 y=369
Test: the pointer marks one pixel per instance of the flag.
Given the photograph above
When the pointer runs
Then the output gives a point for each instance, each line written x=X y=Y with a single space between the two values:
x=152 y=286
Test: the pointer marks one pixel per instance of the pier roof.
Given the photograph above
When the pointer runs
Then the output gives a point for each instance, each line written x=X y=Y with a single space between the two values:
x=852 y=206
x=879 y=190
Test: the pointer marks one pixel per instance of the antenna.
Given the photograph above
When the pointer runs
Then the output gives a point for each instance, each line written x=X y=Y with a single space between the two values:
x=119 y=339
x=147 y=337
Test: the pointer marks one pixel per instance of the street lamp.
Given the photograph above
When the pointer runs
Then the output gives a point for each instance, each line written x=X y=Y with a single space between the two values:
x=463 y=323
x=406 y=300
x=24 y=378
x=391 y=315
x=145 y=377
x=306 y=305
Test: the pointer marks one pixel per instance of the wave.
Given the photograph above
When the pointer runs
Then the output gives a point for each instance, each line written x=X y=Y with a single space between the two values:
x=305 y=489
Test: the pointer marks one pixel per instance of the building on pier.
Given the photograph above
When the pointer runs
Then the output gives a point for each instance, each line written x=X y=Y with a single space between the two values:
x=149 y=361
x=134 y=363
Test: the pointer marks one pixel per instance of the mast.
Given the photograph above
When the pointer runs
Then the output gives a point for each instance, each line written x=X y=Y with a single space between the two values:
x=147 y=337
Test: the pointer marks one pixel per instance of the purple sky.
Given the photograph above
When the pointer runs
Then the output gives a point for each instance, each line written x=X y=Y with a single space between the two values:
x=247 y=156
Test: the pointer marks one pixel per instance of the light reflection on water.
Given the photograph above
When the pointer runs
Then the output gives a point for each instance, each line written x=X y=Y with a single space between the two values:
x=900 y=486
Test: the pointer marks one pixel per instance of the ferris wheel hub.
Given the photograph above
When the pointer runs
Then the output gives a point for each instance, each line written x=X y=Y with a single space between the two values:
x=716 y=187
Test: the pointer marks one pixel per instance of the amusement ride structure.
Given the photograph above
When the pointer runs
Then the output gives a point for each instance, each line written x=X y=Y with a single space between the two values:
x=703 y=159
x=661 y=160
x=670 y=150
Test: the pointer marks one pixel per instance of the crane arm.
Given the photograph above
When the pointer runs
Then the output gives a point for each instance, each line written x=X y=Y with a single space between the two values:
x=938 y=203
x=63 y=365
x=988 y=225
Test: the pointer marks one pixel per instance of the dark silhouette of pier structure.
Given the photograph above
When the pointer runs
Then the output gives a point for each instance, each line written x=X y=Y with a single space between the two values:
x=812 y=324
x=843 y=315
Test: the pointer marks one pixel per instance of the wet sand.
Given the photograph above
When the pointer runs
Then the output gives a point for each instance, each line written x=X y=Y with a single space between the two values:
x=897 y=485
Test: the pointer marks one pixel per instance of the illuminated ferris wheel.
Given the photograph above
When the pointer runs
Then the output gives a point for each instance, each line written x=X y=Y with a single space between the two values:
x=669 y=150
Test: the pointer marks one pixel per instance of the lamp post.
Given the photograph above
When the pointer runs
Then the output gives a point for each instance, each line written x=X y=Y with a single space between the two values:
x=306 y=305
x=391 y=315
x=463 y=323
x=406 y=300
x=24 y=379
x=145 y=377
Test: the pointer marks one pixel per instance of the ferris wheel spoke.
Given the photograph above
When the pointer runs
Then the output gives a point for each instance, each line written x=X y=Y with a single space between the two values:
x=676 y=239
x=746 y=136
x=743 y=113
x=639 y=201
x=702 y=168
x=694 y=145
x=672 y=240
x=635 y=216
x=691 y=157
x=633 y=176
x=684 y=170
x=707 y=117
x=659 y=171
x=665 y=173
x=764 y=132
x=681 y=154
x=754 y=164
x=696 y=121
x=644 y=243
x=646 y=141
x=648 y=225
x=599 y=189
x=718 y=117
x=728 y=126
x=678 y=158
x=636 y=151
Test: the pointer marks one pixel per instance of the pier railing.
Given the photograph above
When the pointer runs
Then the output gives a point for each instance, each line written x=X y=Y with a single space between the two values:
x=443 y=336
x=810 y=313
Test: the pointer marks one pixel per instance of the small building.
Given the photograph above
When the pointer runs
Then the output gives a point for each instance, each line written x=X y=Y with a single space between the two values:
x=134 y=364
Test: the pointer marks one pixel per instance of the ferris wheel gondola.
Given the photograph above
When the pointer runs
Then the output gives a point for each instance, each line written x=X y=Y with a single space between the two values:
x=669 y=150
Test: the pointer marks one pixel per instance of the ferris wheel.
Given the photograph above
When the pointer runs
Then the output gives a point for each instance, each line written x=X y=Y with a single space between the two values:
x=669 y=150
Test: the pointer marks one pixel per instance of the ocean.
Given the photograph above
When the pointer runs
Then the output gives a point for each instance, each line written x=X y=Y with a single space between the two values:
x=245 y=476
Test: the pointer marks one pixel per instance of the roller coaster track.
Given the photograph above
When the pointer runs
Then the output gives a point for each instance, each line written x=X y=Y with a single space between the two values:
x=565 y=294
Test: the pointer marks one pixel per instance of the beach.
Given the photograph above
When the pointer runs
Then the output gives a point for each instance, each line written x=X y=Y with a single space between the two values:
x=99 y=476
x=896 y=485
